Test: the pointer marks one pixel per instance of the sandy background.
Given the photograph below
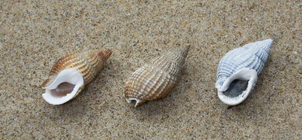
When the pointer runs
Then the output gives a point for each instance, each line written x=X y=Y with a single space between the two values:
x=34 y=35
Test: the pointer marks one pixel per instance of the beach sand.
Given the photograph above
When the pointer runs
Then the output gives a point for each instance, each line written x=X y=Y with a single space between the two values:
x=34 y=35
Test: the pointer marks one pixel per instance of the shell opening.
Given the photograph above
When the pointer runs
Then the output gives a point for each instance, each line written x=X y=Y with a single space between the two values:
x=62 y=90
x=138 y=102
x=67 y=85
x=237 y=87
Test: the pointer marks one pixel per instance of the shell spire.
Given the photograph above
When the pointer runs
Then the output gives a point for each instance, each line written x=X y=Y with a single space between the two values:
x=238 y=69
x=71 y=73
x=155 y=79
x=265 y=44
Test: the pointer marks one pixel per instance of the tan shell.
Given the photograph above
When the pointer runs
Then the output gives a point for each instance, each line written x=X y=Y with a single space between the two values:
x=156 y=79
x=87 y=63
x=71 y=73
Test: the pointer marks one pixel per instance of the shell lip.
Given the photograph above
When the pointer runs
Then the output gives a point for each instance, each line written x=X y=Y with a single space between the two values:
x=71 y=76
x=138 y=101
x=242 y=74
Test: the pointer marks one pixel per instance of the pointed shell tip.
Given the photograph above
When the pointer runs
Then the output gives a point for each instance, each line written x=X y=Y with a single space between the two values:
x=269 y=41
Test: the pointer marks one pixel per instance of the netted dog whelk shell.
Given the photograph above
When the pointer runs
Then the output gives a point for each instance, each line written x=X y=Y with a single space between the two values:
x=155 y=79
x=71 y=73
x=238 y=69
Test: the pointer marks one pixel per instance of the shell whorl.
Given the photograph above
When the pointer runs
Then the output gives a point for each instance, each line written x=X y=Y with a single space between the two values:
x=171 y=61
x=155 y=79
x=87 y=63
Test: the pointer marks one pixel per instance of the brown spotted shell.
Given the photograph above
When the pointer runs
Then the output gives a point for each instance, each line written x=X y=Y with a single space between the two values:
x=156 y=79
x=88 y=63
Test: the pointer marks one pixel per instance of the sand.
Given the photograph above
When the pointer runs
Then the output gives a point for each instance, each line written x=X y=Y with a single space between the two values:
x=35 y=34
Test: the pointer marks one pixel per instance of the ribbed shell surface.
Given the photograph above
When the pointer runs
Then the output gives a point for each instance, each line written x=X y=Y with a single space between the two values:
x=149 y=83
x=156 y=79
x=252 y=55
x=87 y=63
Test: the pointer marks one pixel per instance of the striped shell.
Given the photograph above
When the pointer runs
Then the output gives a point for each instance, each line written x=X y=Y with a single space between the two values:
x=156 y=79
x=244 y=63
x=69 y=75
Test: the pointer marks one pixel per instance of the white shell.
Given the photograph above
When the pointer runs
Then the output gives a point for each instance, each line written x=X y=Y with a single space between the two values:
x=243 y=63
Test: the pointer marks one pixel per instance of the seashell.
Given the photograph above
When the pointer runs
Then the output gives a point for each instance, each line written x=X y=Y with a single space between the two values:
x=238 y=69
x=71 y=73
x=156 y=79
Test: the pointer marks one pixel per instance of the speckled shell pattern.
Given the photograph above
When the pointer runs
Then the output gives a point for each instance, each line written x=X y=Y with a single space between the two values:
x=155 y=79
x=252 y=55
x=88 y=63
